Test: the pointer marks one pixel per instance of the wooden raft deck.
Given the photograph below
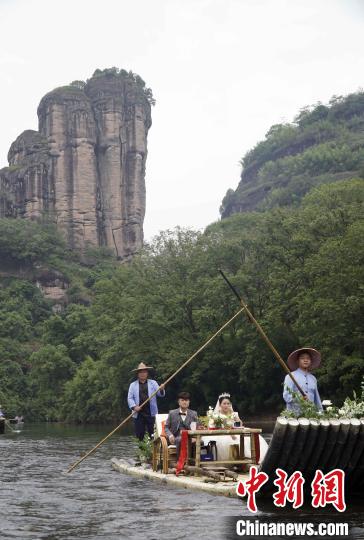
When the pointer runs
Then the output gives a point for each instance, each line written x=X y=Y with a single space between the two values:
x=194 y=483
x=297 y=445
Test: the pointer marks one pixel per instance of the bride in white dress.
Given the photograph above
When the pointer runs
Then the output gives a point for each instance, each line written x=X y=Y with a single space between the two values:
x=223 y=442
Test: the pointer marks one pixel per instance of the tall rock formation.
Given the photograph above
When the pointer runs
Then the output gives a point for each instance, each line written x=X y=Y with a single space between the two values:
x=85 y=167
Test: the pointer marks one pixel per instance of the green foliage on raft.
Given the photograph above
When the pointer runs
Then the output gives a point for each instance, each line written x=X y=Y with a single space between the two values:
x=351 y=408
x=145 y=449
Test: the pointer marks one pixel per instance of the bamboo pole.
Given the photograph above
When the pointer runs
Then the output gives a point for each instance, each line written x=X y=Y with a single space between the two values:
x=161 y=386
x=263 y=334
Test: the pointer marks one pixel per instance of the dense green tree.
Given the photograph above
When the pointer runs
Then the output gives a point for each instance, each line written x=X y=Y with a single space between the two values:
x=90 y=395
x=299 y=267
x=323 y=144
x=51 y=368
x=163 y=305
x=29 y=242
x=13 y=387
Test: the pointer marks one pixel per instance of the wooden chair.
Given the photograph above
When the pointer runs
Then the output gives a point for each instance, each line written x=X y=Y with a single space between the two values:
x=164 y=454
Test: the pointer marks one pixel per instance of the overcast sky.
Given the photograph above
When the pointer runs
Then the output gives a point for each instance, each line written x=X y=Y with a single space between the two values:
x=222 y=72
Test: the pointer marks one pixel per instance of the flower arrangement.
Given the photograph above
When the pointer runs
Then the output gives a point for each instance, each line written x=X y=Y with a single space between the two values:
x=352 y=408
x=217 y=420
x=203 y=422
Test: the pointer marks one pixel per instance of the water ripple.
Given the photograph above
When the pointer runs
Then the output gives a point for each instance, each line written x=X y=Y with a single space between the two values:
x=40 y=501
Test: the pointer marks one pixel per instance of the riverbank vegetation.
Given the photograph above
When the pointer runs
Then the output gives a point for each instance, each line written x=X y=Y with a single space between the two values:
x=297 y=259
x=300 y=269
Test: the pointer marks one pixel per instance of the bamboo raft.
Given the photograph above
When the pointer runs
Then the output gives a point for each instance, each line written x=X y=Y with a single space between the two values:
x=297 y=445
x=193 y=483
x=307 y=445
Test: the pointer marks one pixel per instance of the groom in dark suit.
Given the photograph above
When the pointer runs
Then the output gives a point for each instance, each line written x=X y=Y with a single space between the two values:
x=179 y=419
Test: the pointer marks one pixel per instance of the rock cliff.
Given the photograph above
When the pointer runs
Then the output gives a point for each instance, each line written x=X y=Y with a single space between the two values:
x=84 y=168
x=324 y=144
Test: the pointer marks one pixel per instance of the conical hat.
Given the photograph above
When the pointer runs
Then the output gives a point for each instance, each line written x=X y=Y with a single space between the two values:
x=293 y=358
x=142 y=366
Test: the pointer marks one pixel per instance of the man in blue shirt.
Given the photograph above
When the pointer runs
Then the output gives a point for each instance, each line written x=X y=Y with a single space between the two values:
x=139 y=391
x=300 y=362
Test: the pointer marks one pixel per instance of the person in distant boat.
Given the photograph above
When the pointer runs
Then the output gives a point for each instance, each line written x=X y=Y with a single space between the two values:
x=139 y=391
x=179 y=419
x=2 y=414
x=301 y=362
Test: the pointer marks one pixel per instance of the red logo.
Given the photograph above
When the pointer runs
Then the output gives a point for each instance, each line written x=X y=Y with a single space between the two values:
x=329 y=489
x=252 y=486
x=325 y=488
x=290 y=490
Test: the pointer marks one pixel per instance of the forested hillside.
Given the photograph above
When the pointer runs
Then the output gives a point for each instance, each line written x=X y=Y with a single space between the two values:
x=300 y=268
x=325 y=143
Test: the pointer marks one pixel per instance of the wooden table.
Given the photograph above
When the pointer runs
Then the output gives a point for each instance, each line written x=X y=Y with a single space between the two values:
x=242 y=432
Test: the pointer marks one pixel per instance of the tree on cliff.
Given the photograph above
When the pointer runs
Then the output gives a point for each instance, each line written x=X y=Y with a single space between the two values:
x=323 y=144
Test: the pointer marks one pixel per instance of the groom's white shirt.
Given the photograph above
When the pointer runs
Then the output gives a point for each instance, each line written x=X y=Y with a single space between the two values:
x=183 y=414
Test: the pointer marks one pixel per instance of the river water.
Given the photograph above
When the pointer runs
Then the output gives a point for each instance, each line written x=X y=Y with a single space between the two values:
x=39 y=500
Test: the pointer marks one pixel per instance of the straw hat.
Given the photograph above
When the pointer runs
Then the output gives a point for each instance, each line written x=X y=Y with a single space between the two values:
x=293 y=358
x=142 y=366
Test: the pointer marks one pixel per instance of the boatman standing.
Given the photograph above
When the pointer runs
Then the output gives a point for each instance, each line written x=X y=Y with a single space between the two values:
x=139 y=391
x=300 y=363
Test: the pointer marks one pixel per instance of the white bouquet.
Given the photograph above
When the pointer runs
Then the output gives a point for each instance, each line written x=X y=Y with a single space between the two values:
x=217 y=420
